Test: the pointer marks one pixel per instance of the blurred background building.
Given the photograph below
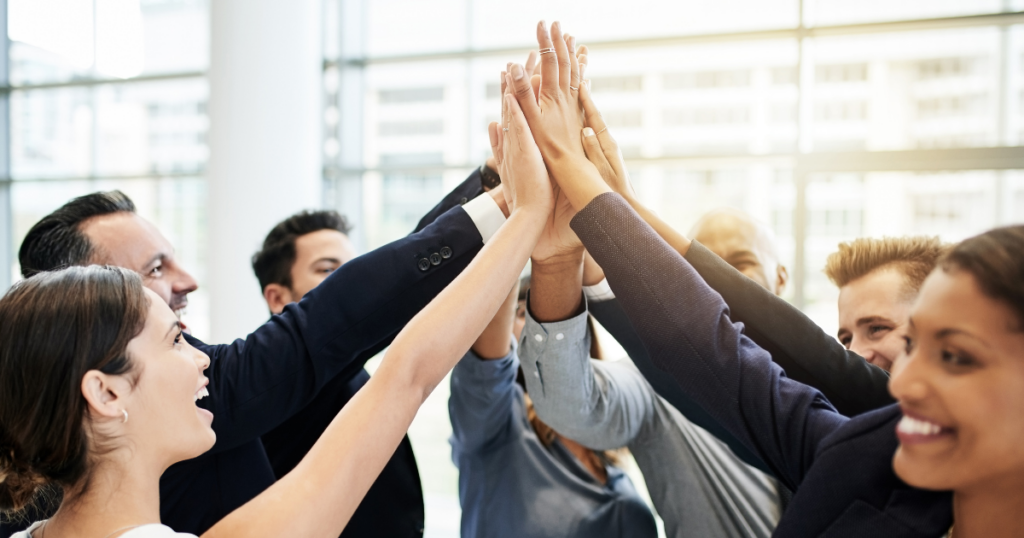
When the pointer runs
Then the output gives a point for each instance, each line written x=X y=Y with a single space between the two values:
x=827 y=119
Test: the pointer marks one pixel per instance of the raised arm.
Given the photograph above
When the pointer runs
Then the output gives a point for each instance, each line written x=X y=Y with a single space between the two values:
x=319 y=496
x=259 y=382
x=795 y=343
x=483 y=385
x=602 y=406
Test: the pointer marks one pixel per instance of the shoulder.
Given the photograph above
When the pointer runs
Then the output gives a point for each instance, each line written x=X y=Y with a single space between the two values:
x=155 y=530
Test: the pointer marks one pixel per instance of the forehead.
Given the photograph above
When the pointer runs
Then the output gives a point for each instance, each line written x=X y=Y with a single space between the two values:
x=879 y=293
x=954 y=300
x=322 y=244
x=125 y=239
x=724 y=234
x=159 y=317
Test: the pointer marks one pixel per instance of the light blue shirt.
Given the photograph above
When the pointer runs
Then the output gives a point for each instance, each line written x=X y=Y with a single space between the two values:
x=511 y=485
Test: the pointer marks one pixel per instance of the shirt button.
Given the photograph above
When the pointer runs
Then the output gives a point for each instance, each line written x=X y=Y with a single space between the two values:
x=538 y=338
x=446 y=252
x=423 y=264
x=464 y=200
x=536 y=374
x=559 y=336
x=435 y=259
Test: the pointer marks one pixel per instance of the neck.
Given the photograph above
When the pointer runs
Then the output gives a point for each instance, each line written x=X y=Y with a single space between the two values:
x=121 y=492
x=991 y=510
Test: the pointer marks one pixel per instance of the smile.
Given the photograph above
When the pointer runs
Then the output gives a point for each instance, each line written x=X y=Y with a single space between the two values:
x=915 y=430
x=201 y=393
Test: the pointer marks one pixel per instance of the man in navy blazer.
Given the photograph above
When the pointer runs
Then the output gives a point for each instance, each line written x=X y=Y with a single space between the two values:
x=258 y=382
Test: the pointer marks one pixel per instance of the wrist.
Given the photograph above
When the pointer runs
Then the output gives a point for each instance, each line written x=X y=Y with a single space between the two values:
x=499 y=199
x=570 y=259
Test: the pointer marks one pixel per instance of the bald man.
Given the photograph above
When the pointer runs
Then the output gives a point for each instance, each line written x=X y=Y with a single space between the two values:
x=744 y=243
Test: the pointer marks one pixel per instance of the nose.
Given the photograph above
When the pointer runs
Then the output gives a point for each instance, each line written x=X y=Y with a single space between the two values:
x=862 y=348
x=202 y=360
x=183 y=282
x=907 y=382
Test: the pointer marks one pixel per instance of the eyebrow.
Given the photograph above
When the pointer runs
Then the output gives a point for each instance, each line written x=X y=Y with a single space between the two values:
x=175 y=325
x=952 y=332
x=159 y=257
x=872 y=319
x=326 y=259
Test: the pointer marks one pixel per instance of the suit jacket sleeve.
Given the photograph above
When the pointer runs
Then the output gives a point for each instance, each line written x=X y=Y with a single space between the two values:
x=796 y=343
x=258 y=382
x=685 y=327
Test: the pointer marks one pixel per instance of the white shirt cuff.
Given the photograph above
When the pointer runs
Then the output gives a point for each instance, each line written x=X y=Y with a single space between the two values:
x=485 y=214
x=599 y=292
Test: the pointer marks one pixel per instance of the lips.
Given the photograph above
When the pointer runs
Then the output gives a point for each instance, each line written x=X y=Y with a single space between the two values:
x=913 y=430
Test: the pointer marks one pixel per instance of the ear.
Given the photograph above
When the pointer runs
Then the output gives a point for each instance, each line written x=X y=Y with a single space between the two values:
x=277 y=297
x=105 y=394
x=781 y=279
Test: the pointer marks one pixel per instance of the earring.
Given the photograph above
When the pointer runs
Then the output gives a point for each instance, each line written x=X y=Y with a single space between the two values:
x=125 y=413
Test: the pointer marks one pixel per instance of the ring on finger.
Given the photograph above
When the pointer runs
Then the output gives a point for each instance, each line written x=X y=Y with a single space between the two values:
x=597 y=133
x=574 y=88
x=504 y=129
x=547 y=50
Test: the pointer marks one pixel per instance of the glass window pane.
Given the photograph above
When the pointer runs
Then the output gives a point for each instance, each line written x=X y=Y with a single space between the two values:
x=831 y=12
x=897 y=91
x=63 y=40
x=115 y=129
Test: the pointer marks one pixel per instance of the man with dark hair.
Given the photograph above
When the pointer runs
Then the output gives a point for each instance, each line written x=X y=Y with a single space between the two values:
x=298 y=254
x=258 y=382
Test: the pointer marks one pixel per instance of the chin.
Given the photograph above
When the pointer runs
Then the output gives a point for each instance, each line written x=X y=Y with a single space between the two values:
x=920 y=473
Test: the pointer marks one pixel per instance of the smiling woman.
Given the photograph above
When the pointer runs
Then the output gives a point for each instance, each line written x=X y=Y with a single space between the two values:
x=961 y=384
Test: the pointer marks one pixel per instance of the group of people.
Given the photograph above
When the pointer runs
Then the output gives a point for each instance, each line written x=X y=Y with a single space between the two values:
x=744 y=417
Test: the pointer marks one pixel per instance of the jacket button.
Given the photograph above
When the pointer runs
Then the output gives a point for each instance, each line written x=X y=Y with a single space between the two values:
x=446 y=252
x=464 y=200
x=435 y=259
x=423 y=264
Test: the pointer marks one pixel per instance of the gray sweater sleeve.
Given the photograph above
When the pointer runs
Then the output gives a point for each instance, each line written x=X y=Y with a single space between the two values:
x=601 y=405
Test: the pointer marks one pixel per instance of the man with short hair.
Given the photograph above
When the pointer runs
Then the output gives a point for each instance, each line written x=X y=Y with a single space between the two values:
x=259 y=382
x=298 y=254
x=878 y=280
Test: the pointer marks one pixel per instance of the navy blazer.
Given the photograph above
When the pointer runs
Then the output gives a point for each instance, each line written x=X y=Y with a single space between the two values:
x=256 y=384
x=840 y=468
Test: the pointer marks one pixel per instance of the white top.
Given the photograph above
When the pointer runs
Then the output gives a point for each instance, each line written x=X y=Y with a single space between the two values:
x=154 y=530
x=486 y=215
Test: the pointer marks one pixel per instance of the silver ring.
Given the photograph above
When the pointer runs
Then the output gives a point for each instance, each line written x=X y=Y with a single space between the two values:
x=547 y=50
x=504 y=129
x=574 y=89
x=601 y=131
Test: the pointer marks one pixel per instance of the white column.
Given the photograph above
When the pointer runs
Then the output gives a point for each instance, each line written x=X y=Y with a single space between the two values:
x=265 y=143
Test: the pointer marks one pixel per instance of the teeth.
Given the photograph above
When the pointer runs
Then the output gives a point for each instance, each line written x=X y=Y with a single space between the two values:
x=201 y=393
x=913 y=426
x=180 y=312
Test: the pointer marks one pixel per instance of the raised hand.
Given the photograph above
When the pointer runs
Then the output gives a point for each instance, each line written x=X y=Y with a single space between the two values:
x=601 y=148
x=554 y=116
x=520 y=165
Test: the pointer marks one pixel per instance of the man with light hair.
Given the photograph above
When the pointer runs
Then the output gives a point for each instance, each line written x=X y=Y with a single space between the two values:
x=744 y=243
x=878 y=280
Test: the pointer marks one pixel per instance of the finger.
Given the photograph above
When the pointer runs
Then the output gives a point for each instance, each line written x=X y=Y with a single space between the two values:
x=583 y=60
x=504 y=90
x=531 y=63
x=562 y=52
x=520 y=86
x=592 y=147
x=574 y=66
x=535 y=83
x=492 y=132
x=593 y=118
x=518 y=129
x=548 y=62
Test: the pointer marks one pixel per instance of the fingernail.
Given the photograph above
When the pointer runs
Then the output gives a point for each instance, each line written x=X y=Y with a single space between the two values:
x=517 y=71
x=587 y=131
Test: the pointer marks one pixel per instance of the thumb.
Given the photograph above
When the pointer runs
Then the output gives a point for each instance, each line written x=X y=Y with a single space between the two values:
x=592 y=147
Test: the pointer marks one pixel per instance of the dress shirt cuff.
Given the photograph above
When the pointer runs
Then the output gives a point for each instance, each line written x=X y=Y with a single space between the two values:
x=599 y=292
x=486 y=215
x=550 y=341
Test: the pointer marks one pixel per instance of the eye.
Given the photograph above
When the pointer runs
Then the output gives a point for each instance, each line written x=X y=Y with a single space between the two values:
x=845 y=340
x=156 y=271
x=876 y=330
x=955 y=358
x=908 y=344
x=177 y=339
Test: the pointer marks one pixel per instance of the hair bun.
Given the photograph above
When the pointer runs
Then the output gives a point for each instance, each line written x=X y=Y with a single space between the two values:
x=19 y=482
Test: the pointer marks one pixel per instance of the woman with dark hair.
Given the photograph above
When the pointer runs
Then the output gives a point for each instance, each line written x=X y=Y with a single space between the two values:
x=98 y=387
x=959 y=386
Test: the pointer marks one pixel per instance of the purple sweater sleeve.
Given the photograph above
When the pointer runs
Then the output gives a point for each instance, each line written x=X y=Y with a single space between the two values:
x=686 y=328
